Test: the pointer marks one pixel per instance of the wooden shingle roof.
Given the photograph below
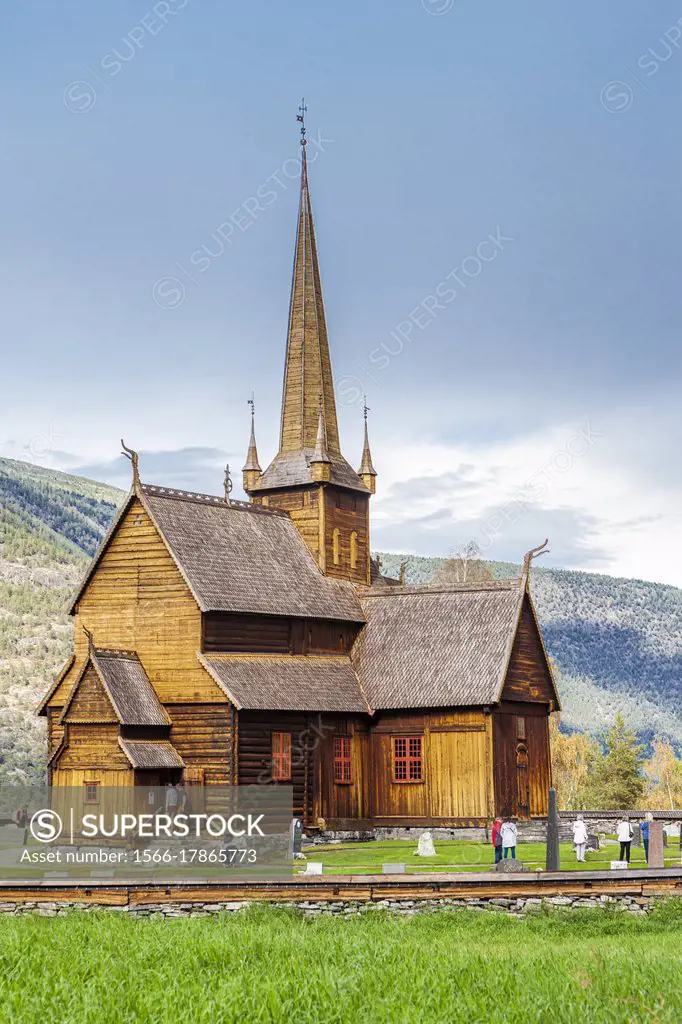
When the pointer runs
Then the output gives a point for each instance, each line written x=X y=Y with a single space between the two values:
x=243 y=558
x=125 y=681
x=239 y=557
x=437 y=647
x=287 y=682
x=151 y=753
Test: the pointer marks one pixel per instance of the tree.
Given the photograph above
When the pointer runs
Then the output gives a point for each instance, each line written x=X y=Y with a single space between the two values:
x=664 y=774
x=573 y=758
x=465 y=565
x=617 y=780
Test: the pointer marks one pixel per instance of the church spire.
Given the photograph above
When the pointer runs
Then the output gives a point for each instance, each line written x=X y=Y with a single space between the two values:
x=367 y=472
x=320 y=463
x=251 y=469
x=308 y=370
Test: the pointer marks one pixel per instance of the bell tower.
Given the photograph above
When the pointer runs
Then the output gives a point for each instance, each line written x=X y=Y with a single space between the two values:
x=309 y=477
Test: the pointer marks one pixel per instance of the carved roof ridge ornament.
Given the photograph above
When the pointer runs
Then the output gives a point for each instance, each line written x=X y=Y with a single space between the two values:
x=135 y=462
x=228 y=485
x=91 y=642
x=534 y=553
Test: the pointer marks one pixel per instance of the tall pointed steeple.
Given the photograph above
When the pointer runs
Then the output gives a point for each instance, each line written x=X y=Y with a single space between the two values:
x=251 y=469
x=308 y=368
x=367 y=472
x=309 y=478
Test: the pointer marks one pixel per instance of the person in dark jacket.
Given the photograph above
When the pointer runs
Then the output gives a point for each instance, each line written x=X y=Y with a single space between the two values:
x=21 y=820
x=496 y=839
x=644 y=833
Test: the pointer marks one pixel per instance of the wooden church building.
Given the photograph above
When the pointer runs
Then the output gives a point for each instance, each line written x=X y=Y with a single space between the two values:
x=229 y=642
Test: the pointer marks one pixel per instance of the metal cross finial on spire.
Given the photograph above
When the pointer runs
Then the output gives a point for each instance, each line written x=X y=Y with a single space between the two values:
x=302 y=111
x=365 y=407
x=228 y=485
x=252 y=402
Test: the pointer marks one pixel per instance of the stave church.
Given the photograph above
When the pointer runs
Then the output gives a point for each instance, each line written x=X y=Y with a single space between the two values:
x=224 y=642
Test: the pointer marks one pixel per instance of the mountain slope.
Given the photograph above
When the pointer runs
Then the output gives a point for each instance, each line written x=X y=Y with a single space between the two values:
x=50 y=524
x=616 y=643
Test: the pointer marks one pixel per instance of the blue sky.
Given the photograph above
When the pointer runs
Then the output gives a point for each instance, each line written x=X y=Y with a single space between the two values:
x=132 y=131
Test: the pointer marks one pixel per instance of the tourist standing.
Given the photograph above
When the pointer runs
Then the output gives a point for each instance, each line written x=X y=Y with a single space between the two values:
x=496 y=839
x=644 y=833
x=625 y=839
x=172 y=799
x=509 y=833
x=580 y=838
x=21 y=820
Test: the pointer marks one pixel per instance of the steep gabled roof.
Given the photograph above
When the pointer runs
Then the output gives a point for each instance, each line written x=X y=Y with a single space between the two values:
x=41 y=710
x=437 y=646
x=127 y=686
x=240 y=558
x=287 y=682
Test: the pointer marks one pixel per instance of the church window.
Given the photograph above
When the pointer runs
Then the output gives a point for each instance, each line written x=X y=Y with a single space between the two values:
x=91 y=792
x=407 y=759
x=343 y=771
x=281 y=755
x=520 y=727
x=336 y=546
x=354 y=550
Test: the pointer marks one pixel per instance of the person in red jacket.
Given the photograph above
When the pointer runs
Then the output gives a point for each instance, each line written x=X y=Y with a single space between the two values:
x=496 y=839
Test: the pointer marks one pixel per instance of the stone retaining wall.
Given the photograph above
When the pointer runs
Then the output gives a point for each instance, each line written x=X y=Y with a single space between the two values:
x=516 y=906
x=534 y=831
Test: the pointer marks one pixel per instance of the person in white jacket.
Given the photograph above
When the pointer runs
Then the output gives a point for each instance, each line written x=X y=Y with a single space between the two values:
x=625 y=838
x=580 y=838
x=509 y=833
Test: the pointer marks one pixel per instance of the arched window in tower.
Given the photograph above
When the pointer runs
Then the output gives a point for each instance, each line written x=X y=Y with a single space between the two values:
x=354 y=550
x=336 y=546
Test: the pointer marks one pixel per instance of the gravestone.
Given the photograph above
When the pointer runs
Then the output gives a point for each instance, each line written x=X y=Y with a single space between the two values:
x=553 y=861
x=671 y=831
x=616 y=865
x=510 y=867
x=295 y=838
x=313 y=867
x=636 y=834
x=592 y=841
x=393 y=869
x=425 y=847
x=656 y=856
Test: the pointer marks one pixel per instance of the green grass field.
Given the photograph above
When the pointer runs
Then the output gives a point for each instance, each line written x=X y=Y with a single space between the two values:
x=264 y=965
x=459 y=855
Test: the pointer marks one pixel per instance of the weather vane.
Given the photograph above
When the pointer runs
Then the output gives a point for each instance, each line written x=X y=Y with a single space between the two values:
x=301 y=117
x=251 y=402
x=365 y=407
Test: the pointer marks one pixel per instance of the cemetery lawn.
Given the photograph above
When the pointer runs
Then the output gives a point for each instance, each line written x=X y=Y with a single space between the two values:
x=460 y=855
x=264 y=964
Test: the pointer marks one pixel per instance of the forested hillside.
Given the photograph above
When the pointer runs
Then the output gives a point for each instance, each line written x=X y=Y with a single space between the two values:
x=616 y=643
x=50 y=523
